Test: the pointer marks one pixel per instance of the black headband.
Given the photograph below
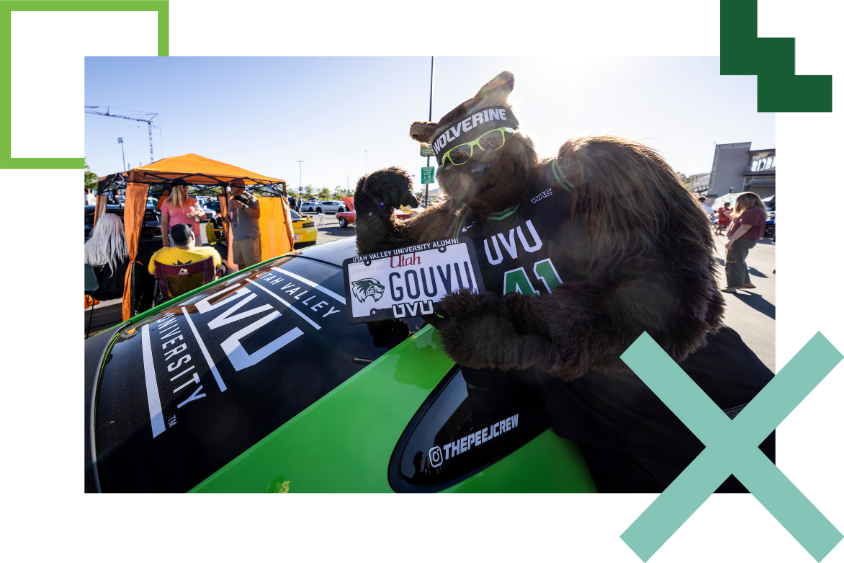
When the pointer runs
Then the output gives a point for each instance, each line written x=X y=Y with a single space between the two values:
x=472 y=127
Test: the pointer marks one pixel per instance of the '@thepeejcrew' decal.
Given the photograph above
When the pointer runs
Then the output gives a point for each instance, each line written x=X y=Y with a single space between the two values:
x=464 y=444
x=409 y=282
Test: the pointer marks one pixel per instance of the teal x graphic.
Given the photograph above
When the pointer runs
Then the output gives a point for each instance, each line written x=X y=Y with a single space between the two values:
x=731 y=447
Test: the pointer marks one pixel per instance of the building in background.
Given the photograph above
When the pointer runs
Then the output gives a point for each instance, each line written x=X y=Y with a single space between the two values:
x=699 y=183
x=737 y=169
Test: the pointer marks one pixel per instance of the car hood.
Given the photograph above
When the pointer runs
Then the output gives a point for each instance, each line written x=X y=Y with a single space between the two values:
x=182 y=392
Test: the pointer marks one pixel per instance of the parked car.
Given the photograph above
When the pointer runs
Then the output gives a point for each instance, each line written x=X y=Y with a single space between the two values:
x=150 y=230
x=346 y=218
x=209 y=212
x=325 y=206
x=214 y=205
x=304 y=231
x=771 y=222
x=259 y=383
x=771 y=228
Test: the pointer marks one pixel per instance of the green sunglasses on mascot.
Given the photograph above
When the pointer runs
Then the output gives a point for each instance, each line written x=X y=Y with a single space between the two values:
x=489 y=141
x=489 y=125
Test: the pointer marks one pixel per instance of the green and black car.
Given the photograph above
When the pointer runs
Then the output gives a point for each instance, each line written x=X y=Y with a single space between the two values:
x=258 y=383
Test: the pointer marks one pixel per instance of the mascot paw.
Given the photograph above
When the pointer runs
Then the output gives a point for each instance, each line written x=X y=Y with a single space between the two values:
x=484 y=331
x=385 y=190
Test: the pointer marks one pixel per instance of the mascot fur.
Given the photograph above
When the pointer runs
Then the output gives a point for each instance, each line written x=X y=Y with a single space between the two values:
x=580 y=255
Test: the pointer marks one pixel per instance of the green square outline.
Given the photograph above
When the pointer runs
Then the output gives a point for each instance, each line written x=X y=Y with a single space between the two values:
x=162 y=7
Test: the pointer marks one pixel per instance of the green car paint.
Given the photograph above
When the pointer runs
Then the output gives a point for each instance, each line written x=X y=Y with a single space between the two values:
x=343 y=442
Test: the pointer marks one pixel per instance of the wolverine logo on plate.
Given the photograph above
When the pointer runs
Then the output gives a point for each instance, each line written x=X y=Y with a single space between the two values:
x=366 y=287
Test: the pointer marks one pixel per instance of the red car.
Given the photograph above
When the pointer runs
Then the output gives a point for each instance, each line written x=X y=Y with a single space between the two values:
x=346 y=218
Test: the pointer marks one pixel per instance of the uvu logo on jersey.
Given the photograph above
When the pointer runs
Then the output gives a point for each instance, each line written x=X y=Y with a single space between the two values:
x=409 y=282
x=522 y=237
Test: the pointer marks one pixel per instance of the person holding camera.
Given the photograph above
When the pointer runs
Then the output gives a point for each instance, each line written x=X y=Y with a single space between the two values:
x=243 y=215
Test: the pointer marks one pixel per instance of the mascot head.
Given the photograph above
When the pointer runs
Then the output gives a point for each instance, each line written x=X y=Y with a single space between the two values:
x=485 y=162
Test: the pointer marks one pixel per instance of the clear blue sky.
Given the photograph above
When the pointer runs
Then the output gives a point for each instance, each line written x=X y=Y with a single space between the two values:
x=266 y=113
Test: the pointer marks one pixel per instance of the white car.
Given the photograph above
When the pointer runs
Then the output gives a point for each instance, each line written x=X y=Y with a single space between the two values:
x=325 y=206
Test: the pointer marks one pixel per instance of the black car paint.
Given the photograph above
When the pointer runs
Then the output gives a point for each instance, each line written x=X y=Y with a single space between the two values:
x=202 y=435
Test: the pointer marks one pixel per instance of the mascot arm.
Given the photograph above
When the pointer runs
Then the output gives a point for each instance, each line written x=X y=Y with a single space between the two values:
x=654 y=272
x=579 y=326
x=376 y=196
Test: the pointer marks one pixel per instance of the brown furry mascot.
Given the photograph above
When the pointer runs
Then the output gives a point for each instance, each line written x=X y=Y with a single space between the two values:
x=580 y=255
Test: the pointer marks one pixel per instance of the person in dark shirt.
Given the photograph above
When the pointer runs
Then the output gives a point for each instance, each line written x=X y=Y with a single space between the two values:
x=747 y=227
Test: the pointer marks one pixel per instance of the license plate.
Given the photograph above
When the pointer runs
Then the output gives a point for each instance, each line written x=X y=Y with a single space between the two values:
x=408 y=282
x=295 y=237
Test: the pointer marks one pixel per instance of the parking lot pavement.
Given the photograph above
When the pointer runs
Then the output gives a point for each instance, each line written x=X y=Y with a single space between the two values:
x=329 y=229
x=752 y=312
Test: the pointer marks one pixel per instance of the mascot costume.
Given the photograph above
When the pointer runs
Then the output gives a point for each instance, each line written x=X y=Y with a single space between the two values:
x=580 y=254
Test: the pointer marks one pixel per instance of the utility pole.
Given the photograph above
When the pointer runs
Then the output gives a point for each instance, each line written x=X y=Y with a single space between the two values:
x=430 y=106
x=120 y=142
x=364 y=162
x=300 y=177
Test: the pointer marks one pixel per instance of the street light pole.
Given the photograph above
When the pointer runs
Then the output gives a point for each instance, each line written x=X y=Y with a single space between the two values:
x=300 y=176
x=364 y=162
x=430 y=107
x=120 y=141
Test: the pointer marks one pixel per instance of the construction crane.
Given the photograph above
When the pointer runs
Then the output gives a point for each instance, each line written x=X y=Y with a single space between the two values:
x=147 y=120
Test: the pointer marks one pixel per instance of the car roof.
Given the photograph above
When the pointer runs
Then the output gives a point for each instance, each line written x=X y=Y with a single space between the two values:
x=332 y=252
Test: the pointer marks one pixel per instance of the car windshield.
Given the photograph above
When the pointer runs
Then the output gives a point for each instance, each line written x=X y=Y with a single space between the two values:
x=294 y=215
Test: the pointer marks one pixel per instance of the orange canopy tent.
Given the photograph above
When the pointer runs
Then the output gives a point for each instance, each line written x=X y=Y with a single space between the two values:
x=204 y=176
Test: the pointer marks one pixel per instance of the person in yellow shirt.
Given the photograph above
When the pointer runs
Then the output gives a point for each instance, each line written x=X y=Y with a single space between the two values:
x=185 y=251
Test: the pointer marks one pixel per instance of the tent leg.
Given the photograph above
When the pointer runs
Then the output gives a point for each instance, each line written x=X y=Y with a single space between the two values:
x=132 y=292
x=90 y=318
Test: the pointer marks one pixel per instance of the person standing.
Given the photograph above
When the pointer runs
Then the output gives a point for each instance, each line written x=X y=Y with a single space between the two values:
x=706 y=209
x=724 y=217
x=747 y=227
x=179 y=209
x=90 y=199
x=243 y=215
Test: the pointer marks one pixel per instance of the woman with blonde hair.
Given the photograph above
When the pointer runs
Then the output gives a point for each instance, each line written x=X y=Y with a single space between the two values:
x=177 y=209
x=747 y=227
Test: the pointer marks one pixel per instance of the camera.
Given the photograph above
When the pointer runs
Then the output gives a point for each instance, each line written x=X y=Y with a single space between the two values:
x=241 y=198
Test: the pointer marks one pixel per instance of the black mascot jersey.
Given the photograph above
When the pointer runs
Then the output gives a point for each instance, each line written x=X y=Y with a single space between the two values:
x=536 y=246
x=531 y=247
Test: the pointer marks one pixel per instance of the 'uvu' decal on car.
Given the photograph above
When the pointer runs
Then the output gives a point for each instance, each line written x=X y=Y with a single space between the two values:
x=217 y=331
